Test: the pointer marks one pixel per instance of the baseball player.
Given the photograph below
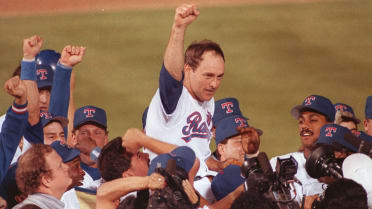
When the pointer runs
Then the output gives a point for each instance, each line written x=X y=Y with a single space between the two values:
x=14 y=123
x=368 y=116
x=314 y=112
x=182 y=108
x=345 y=117
x=90 y=121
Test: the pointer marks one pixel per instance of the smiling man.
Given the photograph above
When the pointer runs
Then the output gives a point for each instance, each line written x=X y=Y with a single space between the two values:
x=181 y=111
x=314 y=112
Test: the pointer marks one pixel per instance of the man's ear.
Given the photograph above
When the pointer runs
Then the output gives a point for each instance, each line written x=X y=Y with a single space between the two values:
x=45 y=181
x=365 y=124
x=220 y=148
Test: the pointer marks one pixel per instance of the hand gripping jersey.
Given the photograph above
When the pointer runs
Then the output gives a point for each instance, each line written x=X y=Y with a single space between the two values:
x=175 y=117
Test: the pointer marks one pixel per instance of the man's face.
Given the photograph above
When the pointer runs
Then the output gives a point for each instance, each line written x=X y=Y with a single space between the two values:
x=207 y=77
x=61 y=179
x=368 y=126
x=139 y=164
x=351 y=125
x=232 y=149
x=250 y=141
x=97 y=133
x=76 y=172
x=44 y=99
x=53 y=132
x=309 y=125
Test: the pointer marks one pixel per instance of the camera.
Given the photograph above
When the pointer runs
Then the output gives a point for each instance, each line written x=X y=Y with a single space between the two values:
x=274 y=185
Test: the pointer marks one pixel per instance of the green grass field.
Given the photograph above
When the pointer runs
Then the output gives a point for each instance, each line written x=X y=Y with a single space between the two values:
x=276 y=55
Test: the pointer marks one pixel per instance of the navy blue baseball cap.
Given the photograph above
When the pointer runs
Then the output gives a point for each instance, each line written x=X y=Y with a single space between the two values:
x=368 y=110
x=224 y=108
x=227 y=181
x=227 y=127
x=67 y=154
x=346 y=112
x=318 y=104
x=184 y=157
x=47 y=117
x=91 y=114
x=362 y=135
x=44 y=77
x=46 y=62
x=334 y=135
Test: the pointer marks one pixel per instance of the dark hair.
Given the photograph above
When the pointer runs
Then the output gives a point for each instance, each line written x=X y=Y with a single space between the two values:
x=132 y=202
x=344 y=194
x=195 y=51
x=32 y=166
x=252 y=199
x=114 y=160
x=30 y=206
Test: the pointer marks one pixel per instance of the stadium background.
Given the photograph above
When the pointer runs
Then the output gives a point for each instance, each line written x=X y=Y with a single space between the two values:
x=277 y=53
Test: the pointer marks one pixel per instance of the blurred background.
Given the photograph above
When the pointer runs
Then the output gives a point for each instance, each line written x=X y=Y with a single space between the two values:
x=277 y=53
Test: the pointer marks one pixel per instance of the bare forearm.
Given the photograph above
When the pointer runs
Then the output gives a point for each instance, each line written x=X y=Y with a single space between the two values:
x=113 y=190
x=173 y=57
x=33 y=107
x=157 y=146
x=213 y=164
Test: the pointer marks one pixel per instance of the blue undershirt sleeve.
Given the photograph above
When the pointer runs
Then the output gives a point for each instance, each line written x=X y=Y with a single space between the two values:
x=170 y=90
x=60 y=95
x=11 y=134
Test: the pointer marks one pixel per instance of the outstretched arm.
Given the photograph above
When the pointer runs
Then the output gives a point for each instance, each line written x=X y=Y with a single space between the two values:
x=111 y=191
x=31 y=47
x=14 y=124
x=173 y=57
x=134 y=139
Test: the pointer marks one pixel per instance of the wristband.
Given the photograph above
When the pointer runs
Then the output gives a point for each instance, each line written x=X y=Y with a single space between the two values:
x=28 y=70
x=95 y=154
x=19 y=109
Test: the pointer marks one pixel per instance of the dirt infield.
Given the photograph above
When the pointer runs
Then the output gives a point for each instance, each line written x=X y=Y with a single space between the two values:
x=34 y=7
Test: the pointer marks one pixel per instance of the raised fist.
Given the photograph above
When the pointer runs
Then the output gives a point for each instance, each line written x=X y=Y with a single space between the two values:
x=31 y=47
x=72 y=55
x=16 y=88
x=132 y=140
x=185 y=14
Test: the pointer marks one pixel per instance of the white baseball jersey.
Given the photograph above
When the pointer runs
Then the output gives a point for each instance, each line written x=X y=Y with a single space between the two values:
x=70 y=199
x=175 y=117
x=310 y=186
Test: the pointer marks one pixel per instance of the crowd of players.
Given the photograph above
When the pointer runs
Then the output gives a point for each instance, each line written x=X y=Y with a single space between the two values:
x=51 y=153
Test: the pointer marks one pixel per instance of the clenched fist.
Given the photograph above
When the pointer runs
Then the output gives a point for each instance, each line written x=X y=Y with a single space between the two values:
x=72 y=55
x=31 y=47
x=16 y=88
x=185 y=14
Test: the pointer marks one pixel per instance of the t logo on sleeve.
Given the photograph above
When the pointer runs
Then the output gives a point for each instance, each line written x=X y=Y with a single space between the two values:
x=89 y=112
x=330 y=131
x=228 y=106
x=42 y=73
x=309 y=100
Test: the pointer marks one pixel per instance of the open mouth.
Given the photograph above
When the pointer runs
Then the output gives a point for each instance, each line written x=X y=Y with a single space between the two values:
x=306 y=132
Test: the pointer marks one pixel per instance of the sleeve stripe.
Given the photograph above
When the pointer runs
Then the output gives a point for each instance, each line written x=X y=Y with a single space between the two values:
x=19 y=110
